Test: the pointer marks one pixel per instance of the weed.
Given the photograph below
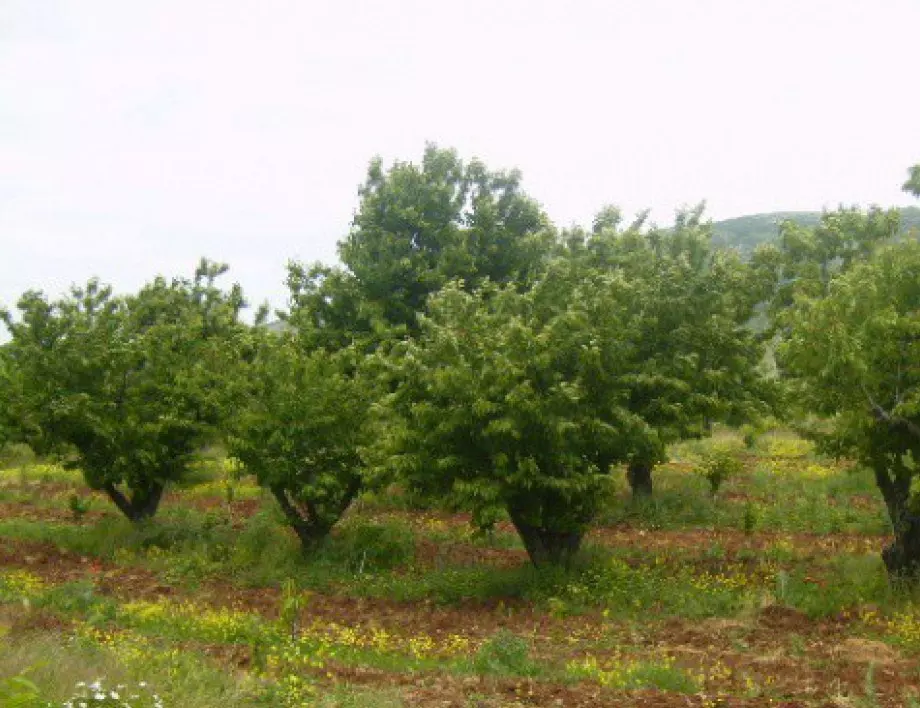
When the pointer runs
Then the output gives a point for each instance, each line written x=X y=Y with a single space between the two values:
x=505 y=654
x=293 y=602
x=869 y=692
x=19 y=692
x=749 y=518
x=79 y=506
x=717 y=466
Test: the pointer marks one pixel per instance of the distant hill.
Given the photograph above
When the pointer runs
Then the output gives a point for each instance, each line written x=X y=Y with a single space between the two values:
x=747 y=232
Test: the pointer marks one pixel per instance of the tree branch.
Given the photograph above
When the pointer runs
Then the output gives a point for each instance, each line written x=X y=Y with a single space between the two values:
x=119 y=499
x=293 y=516
x=892 y=420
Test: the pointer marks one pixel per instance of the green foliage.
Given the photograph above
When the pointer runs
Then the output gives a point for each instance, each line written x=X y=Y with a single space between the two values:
x=749 y=435
x=299 y=430
x=291 y=606
x=61 y=661
x=78 y=506
x=854 y=356
x=362 y=547
x=505 y=654
x=330 y=310
x=127 y=389
x=808 y=258
x=749 y=518
x=718 y=466
x=20 y=692
x=747 y=233
x=912 y=185
x=420 y=226
x=697 y=361
x=523 y=401
x=515 y=401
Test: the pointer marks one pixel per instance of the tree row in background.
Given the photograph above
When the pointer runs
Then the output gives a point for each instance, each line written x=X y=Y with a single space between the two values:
x=469 y=351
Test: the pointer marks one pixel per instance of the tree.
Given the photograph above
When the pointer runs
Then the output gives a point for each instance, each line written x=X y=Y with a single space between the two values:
x=127 y=389
x=6 y=387
x=698 y=360
x=853 y=355
x=301 y=430
x=912 y=185
x=329 y=310
x=517 y=401
x=808 y=258
x=420 y=226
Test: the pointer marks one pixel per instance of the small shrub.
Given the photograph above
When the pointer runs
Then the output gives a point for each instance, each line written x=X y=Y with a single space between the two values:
x=368 y=547
x=788 y=446
x=80 y=597
x=750 y=518
x=293 y=602
x=749 y=436
x=79 y=506
x=717 y=466
x=504 y=654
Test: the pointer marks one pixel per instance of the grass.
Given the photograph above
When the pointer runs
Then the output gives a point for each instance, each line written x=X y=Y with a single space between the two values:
x=133 y=632
x=181 y=678
x=786 y=532
x=57 y=664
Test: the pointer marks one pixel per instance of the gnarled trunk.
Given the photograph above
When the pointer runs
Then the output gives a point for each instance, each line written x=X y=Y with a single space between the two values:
x=546 y=547
x=639 y=476
x=143 y=503
x=308 y=522
x=902 y=556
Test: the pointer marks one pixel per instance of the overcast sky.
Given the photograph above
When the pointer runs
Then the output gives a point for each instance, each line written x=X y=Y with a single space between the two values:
x=136 y=137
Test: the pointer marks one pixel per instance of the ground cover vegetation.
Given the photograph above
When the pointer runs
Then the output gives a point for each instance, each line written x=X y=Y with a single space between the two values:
x=431 y=483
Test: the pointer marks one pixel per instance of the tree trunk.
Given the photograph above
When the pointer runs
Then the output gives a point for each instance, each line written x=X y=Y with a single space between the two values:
x=639 y=475
x=142 y=505
x=308 y=523
x=547 y=547
x=902 y=556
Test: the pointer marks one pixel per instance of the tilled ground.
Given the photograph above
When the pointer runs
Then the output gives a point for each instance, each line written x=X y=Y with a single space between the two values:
x=793 y=660
x=828 y=662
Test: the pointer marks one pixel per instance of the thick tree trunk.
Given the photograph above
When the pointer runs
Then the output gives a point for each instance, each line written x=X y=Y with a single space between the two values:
x=639 y=475
x=311 y=526
x=547 y=547
x=142 y=505
x=309 y=529
x=902 y=556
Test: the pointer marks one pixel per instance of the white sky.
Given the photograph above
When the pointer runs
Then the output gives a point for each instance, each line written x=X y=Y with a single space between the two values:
x=136 y=136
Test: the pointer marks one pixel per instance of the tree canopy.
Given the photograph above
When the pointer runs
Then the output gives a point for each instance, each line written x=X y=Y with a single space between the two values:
x=855 y=356
x=912 y=185
x=518 y=401
x=127 y=389
x=420 y=226
x=301 y=429
x=698 y=360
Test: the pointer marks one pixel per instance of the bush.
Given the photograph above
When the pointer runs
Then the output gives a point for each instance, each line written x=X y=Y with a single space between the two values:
x=749 y=436
x=504 y=654
x=367 y=547
x=717 y=466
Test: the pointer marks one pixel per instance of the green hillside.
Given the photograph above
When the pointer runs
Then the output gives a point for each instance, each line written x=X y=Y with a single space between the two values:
x=747 y=232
